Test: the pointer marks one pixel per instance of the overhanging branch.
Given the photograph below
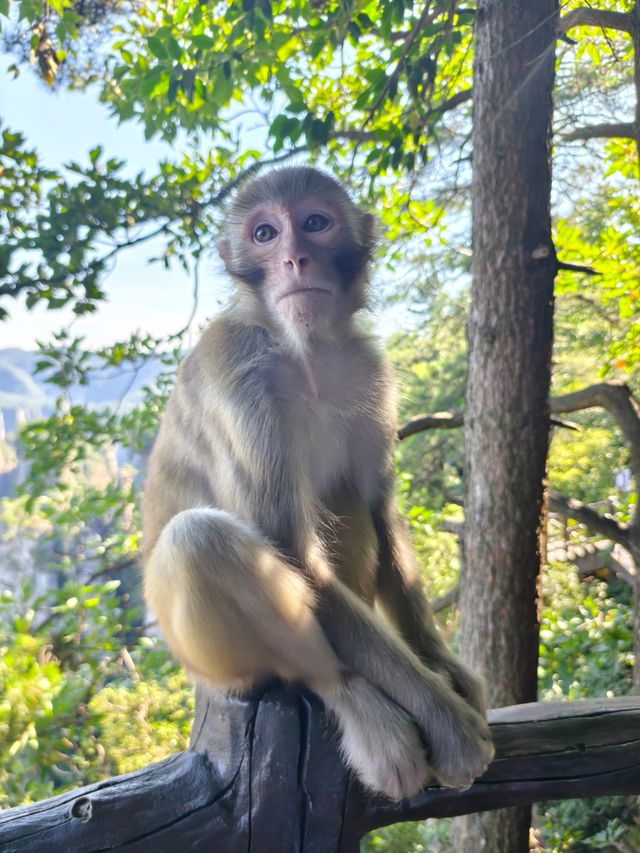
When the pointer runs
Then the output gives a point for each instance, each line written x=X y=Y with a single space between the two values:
x=621 y=130
x=572 y=508
x=585 y=16
x=615 y=397
x=421 y=423
x=618 y=400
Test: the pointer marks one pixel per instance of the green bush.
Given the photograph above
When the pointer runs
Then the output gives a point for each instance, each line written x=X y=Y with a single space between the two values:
x=66 y=685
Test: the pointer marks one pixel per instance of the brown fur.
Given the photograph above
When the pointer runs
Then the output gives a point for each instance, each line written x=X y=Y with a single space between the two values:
x=270 y=525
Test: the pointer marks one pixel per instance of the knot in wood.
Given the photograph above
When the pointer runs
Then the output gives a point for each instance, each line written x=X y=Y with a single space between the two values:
x=81 y=809
x=540 y=253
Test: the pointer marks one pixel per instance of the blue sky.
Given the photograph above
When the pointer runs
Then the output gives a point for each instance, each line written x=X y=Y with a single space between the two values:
x=64 y=126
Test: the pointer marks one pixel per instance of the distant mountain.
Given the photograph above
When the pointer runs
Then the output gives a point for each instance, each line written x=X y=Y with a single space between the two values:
x=25 y=397
x=17 y=386
x=22 y=399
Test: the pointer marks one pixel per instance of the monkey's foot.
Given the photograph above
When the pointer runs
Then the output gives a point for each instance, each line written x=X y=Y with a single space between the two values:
x=460 y=748
x=466 y=683
x=379 y=741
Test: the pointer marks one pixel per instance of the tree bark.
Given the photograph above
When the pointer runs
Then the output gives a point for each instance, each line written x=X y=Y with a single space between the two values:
x=635 y=532
x=510 y=339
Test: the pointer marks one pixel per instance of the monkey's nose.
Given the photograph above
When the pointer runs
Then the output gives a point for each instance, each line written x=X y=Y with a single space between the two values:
x=296 y=262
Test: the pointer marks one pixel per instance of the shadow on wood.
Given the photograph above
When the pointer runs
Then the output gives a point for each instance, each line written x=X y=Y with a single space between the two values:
x=264 y=774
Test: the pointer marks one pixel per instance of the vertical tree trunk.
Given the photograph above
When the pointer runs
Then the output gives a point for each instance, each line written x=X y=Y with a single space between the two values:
x=510 y=339
x=635 y=13
x=635 y=532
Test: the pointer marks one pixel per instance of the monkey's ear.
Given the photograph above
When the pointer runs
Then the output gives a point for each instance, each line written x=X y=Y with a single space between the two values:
x=370 y=230
x=224 y=250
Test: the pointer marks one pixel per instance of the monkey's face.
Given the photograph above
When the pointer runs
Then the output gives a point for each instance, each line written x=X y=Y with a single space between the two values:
x=299 y=247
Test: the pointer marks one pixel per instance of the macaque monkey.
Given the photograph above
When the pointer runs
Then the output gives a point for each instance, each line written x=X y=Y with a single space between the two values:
x=270 y=523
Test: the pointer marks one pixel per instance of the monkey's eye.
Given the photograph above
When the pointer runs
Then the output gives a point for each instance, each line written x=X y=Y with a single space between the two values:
x=316 y=222
x=264 y=233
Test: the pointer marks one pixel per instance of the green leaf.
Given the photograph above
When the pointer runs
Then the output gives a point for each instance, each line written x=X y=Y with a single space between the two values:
x=174 y=88
x=202 y=41
x=174 y=49
x=155 y=83
x=157 y=47
x=181 y=12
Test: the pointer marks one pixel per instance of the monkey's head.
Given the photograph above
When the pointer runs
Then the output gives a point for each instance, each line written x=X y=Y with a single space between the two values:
x=298 y=246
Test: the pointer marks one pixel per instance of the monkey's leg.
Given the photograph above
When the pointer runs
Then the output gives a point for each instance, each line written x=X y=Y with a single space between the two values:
x=233 y=611
x=456 y=736
x=402 y=597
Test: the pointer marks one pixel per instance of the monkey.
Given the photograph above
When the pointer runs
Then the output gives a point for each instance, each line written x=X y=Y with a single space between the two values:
x=272 y=541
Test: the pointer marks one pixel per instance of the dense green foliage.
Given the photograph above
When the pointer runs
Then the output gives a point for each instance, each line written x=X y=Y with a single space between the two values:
x=379 y=92
x=68 y=684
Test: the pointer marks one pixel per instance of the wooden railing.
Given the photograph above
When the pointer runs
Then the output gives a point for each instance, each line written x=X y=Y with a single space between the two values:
x=263 y=774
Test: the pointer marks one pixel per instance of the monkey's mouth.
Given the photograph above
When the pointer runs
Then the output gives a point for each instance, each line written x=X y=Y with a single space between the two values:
x=298 y=290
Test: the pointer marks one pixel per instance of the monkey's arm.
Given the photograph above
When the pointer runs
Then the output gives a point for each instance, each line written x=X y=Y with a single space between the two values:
x=456 y=735
x=402 y=597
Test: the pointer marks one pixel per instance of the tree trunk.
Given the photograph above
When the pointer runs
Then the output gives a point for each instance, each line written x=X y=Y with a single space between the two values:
x=635 y=12
x=510 y=339
x=635 y=532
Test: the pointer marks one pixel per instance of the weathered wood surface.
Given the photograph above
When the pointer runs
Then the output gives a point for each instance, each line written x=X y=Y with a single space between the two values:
x=264 y=774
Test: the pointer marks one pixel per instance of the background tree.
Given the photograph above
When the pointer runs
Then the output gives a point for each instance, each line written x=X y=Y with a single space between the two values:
x=510 y=339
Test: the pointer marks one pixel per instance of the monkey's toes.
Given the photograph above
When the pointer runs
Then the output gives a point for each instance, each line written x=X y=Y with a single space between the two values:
x=381 y=743
x=397 y=769
x=464 y=761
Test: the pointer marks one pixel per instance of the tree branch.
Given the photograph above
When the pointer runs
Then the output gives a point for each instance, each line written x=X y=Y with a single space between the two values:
x=454 y=526
x=450 y=597
x=275 y=753
x=453 y=420
x=454 y=101
x=353 y=135
x=617 y=399
x=224 y=191
x=441 y=420
x=424 y=19
x=572 y=508
x=585 y=16
x=622 y=130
